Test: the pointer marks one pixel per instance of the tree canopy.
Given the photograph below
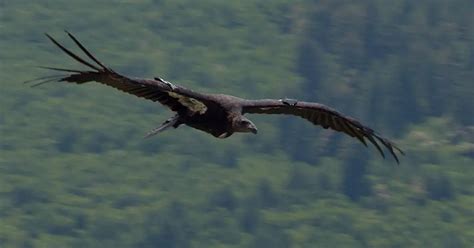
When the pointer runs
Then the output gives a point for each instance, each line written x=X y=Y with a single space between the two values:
x=76 y=172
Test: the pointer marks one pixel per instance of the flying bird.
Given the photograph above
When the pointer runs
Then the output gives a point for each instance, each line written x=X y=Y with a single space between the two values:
x=217 y=114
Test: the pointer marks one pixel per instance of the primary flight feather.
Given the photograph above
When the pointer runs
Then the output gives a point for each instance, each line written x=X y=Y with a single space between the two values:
x=218 y=114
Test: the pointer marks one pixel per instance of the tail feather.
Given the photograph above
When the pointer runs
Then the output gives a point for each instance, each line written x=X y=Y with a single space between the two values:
x=171 y=122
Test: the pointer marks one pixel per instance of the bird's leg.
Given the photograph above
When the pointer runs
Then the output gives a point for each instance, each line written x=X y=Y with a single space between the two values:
x=171 y=122
x=172 y=86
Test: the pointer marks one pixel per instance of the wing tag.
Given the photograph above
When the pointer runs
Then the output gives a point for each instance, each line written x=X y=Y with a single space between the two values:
x=289 y=102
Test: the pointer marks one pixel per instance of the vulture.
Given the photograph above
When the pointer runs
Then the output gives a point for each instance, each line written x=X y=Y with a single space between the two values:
x=217 y=114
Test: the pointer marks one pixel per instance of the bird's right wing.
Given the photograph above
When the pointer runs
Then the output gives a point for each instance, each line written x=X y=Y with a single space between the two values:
x=177 y=98
x=321 y=115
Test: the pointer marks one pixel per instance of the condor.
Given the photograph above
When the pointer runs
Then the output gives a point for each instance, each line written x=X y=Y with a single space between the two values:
x=217 y=114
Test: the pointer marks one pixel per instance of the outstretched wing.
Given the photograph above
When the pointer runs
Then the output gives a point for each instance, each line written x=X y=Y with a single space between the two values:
x=175 y=97
x=322 y=115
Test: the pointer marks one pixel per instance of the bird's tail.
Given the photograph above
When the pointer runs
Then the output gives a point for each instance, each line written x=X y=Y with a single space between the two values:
x=171 y=122
x=71 y=75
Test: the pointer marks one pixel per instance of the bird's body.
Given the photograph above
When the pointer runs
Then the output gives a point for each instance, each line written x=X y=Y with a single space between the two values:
x=217 y=120
x=217 y=114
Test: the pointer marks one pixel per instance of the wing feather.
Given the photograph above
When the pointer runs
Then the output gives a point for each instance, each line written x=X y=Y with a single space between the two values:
x=336 y=124
x=325 y=117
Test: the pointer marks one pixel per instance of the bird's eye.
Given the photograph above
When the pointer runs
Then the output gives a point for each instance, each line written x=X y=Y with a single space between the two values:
x=243 y=122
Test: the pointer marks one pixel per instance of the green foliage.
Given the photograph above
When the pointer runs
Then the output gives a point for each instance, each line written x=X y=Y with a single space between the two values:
x=75 y=171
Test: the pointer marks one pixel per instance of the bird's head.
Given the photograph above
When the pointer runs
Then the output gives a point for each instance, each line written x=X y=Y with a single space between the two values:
x=244 y=125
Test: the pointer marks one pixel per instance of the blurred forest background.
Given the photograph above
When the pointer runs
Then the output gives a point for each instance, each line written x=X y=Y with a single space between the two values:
x=76 y=172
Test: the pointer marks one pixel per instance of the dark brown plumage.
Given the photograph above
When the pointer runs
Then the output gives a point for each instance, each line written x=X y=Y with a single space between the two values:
x=217 y=114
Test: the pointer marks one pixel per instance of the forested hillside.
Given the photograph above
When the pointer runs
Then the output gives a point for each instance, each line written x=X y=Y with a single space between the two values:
x=75 y=170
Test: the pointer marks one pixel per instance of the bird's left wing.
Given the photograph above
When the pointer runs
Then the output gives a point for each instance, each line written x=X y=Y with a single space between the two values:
x=175 y=97
x=321 y=115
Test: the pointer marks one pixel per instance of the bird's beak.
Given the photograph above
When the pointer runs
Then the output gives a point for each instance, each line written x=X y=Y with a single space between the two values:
x=254 y=130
